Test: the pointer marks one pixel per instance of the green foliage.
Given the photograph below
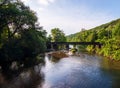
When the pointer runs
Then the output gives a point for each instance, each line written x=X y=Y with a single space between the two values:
x=107 y=34
x=49 y=38
x=57 y=35
x=32 y=43
x=20 y=34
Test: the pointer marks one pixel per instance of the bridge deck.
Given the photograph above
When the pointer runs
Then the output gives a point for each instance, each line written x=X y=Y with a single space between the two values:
x=76 y=43
x=54 y=45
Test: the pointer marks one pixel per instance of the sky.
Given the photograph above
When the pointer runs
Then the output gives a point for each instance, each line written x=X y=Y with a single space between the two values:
x=73 y=15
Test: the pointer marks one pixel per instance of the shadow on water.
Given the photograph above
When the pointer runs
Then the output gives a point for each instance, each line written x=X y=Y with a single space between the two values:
x=27 y=76
x=112 y=68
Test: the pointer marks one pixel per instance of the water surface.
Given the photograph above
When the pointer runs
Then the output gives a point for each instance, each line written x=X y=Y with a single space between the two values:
x=85 y=71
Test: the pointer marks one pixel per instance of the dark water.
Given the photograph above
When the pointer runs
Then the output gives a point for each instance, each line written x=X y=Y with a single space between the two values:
x=85 y=71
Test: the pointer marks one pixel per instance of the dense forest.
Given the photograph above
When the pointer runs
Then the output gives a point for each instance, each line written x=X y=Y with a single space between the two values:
x=21 y=36
x=22 y=39
x=108 y=34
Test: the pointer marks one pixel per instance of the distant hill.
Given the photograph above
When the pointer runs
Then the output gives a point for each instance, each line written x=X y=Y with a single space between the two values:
x=108 y=34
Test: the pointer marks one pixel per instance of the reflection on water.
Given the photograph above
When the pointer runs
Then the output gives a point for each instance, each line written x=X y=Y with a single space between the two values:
x=27 y=77
x=75 y=72
x=86 y=71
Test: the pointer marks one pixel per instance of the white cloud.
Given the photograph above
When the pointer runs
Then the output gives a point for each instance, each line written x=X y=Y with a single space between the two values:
x=41 y=9
x=45 y=2
x=51 y=1
x=24 y=0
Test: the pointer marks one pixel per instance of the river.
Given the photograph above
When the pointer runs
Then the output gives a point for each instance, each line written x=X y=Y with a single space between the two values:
x=84 y=71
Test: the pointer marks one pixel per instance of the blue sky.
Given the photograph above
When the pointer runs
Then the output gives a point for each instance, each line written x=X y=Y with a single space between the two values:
x=73 y=15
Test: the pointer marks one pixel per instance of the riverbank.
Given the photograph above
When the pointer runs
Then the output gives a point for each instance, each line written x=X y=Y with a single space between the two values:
x=101 y=52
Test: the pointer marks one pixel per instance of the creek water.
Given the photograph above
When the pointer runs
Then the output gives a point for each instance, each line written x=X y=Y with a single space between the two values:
x=84 y=71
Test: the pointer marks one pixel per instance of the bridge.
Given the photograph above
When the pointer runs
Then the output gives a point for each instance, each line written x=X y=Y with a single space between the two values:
x=54 y=45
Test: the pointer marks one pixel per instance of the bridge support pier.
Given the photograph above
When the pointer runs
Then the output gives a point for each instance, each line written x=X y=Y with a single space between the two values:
x=67 y=46
x=99 y=46
x=49 y=46
x=55 y=46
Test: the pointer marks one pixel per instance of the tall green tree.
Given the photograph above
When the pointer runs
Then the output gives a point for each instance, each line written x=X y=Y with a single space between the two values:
x=57 y=35
x=21 y=35
x=15 y=16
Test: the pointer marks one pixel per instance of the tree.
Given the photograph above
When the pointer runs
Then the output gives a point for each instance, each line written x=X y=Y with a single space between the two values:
x=92 y=36
x=14 y=17
x=57 y=35
x=20 y=33
x=49 y=38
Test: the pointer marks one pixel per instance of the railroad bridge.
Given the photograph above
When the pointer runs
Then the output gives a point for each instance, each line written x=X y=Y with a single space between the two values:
x=54 y=45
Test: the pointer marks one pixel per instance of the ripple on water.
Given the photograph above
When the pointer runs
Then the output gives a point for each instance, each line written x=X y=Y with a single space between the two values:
x=75 y=72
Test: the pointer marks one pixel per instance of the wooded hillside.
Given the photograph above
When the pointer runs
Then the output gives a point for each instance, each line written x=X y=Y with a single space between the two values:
x=108 y=34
